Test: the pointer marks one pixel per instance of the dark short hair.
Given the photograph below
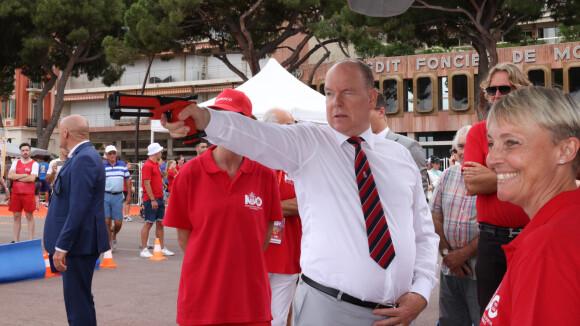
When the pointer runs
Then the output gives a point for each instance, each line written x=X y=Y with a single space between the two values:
x=24 y=145
x=381 y=103
x=46 y=158
x=202 y=141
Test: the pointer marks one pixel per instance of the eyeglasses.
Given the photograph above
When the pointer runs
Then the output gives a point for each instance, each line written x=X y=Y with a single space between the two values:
x=504 y=90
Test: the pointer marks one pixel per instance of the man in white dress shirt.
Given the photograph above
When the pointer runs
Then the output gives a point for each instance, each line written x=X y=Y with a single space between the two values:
x=341 y=283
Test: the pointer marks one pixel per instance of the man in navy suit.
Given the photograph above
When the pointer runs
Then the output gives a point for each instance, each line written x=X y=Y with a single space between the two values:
x=75 y=232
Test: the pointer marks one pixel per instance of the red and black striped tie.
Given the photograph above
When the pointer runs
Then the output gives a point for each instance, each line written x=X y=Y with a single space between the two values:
x=380 y=244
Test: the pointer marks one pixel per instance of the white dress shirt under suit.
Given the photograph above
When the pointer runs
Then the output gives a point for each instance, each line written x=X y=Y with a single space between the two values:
x=334 y=242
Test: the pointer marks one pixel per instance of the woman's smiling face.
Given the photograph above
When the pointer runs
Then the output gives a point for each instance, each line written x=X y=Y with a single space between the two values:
x=523 y=157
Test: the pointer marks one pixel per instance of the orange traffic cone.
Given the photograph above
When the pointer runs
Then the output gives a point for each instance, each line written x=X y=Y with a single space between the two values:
x=49 y=272
x=108 y=260
x=157 y=254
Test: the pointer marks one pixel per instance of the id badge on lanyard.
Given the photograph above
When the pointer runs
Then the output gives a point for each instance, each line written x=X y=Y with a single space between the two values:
x=278 y=229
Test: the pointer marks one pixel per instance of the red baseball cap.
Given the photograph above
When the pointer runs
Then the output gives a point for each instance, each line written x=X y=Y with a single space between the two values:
x=233 y=100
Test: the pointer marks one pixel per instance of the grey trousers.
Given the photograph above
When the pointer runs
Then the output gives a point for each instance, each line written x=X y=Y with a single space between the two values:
x=314 y=308
x=458 y=305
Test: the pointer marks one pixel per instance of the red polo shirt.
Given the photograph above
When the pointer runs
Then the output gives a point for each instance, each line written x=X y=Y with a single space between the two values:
x=171 y=174
x=284 y=258
x=542 y=283
x=490 y=209
x=151 y=171
x=223 y=277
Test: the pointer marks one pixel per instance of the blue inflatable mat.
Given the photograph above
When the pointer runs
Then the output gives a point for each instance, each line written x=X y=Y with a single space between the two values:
x=21 y=261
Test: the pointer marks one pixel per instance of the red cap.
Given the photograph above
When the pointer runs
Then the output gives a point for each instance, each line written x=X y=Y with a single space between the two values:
x=233 y=100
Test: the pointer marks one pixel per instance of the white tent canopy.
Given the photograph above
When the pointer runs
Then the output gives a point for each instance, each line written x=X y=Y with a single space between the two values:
x=274 y=87
x=13 y=150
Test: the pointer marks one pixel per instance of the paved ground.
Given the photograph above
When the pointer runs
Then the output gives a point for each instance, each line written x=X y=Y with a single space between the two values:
x=138 y=292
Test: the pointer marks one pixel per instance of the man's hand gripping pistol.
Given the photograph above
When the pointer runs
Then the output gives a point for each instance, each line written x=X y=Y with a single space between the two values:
x=155 y=105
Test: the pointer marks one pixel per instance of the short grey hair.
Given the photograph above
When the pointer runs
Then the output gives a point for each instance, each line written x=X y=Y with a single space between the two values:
x=461 y=132
x=270 y=116
x=549 y=108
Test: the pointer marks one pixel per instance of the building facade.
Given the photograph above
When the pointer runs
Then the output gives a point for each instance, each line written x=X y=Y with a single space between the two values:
x=429 y=96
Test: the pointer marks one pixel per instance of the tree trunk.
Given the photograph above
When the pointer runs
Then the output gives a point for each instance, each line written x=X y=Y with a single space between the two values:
x=48 y=85
x=44 y=135
x=482 y=71
x=324 y=57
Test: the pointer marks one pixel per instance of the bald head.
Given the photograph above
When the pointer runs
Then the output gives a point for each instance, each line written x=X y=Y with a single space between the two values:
x=279 y=116
x=77 y=125
x=73 y=130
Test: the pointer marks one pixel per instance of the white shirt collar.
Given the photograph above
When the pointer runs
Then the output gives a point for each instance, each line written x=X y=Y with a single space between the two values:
x=383 y=134
x=74 y=148
x=367 y=135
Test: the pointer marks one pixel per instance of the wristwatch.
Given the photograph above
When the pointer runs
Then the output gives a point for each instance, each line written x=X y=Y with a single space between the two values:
x=444 y=252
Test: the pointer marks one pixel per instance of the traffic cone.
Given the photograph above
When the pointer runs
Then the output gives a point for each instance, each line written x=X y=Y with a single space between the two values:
x=108 y=260
x=49 y=272
x=157 y=254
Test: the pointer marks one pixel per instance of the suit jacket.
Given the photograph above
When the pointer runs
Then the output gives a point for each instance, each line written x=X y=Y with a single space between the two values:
x=76 y=218
x=416 y=152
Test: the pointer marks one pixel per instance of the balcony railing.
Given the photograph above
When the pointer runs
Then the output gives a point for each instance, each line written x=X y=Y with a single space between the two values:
x=33 y=123
x=35 y=85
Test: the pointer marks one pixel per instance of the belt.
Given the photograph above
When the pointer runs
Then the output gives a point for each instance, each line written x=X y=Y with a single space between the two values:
x=498 y=230
x=113 y=193
x=345 y=297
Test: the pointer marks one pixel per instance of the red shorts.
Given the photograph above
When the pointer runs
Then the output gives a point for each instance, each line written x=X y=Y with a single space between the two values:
x=19 y=202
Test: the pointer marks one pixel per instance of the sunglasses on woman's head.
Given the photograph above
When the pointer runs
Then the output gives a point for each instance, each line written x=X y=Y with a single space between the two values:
x=504 y=90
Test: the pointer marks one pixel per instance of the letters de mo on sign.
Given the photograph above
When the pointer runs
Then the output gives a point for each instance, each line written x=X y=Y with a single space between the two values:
x=471 y=59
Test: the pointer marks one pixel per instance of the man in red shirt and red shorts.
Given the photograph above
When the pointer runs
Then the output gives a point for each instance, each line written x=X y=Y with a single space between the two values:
x=23 y=173
x=224 y=206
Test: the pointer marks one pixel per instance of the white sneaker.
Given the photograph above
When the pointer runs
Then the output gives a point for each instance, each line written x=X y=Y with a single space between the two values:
x=114 y=245
x=166 y=252
x=127 y=218
x=145 y=253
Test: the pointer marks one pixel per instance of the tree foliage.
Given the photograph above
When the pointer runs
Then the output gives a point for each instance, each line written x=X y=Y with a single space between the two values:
x=482 y=23
x=15 y=24
x=64 y=39
x=255 y=28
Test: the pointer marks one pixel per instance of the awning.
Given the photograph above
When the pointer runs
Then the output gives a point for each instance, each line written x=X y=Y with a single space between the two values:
x=211 y=88
x=167 y=91
x=84 y=97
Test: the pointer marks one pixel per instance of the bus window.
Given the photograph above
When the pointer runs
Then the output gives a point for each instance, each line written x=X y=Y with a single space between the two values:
x=461 y=91
x=426 y=93
x=392 y=88
x=557 y=77
x=574 y=81
x=460 y=96
x=537 y=77
x=320 y=87
x=424 y=87
x=390 y=92
x=443 y=94
x=408 y=94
